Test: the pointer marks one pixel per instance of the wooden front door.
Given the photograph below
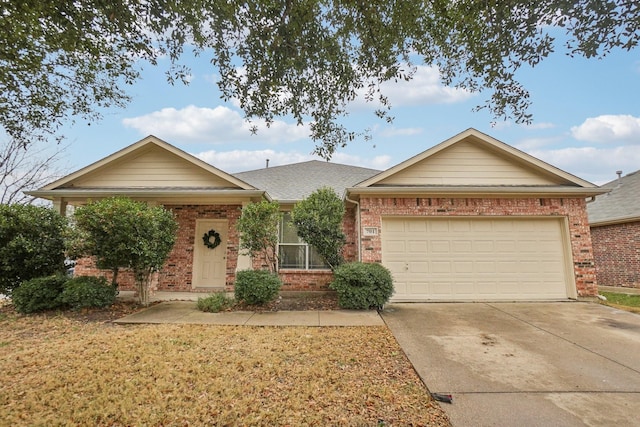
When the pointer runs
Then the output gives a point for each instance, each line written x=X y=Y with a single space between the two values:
x=210 y=265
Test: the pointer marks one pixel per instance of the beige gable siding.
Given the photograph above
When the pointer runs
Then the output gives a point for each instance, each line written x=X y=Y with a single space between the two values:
x=467 y=163
x=153 y=167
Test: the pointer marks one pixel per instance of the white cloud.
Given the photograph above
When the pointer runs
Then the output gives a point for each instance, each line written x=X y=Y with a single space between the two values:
x=528 y=144
x=597 y=165
x=538 y=126
x=214 y=125
x=608 y=128
x=244 y=160
x=392 y=131
x=423 y=89
x=381 y=162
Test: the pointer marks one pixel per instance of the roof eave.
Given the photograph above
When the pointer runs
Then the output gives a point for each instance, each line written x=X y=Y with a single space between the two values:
x=475 y=191
x=150 y=193
x=615 y=221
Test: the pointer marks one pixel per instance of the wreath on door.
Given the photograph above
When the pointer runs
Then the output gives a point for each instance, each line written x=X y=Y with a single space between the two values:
x=207 y=239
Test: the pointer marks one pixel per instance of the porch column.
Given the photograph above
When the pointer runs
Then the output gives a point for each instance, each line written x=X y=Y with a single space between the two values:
x=60 y=206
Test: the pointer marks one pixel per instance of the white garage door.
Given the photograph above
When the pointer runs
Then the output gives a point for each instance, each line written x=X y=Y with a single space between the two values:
x=476 y=259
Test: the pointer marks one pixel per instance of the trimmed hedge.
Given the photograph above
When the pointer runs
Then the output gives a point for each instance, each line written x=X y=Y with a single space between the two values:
x=362 y=285
x=41 y=293
x=214 y=303
x=256 y=287
x=88 y=291
x=52 y=292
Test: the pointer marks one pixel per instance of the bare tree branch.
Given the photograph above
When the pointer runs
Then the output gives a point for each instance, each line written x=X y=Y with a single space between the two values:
x=27 y=168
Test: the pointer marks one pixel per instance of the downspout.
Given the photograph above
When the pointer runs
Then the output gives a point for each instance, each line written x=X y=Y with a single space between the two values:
x=359 y=243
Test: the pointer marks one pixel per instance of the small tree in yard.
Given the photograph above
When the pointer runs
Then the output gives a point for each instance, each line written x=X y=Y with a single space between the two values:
x=122 y=233
x=31 y=244
x=318 y=219
x=259 y=227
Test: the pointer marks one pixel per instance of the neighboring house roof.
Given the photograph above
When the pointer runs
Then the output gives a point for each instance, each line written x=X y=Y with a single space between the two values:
x=473 y=163
x=291 y=183
x=149 y=167
x=621 y=204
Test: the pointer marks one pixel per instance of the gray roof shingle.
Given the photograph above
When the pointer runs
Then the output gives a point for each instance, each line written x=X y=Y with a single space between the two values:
x=296 y=181
x=623 y=201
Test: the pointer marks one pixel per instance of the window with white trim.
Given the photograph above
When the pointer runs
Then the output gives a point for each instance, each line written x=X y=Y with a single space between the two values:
x=293 y=252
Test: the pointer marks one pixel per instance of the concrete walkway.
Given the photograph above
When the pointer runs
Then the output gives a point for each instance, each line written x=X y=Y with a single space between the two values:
x=185 y=312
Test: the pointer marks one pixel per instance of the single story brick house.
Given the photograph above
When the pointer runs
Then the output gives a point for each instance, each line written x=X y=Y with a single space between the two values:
x=470 y=219
x=614 y=219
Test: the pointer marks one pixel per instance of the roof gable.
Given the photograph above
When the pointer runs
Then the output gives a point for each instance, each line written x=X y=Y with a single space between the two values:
x=472 y=158
x=149 y=163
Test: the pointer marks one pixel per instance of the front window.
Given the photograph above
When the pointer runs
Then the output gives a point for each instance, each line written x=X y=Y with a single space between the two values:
x=293 y=252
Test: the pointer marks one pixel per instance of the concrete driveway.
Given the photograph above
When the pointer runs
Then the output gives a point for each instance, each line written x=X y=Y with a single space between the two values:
x=525 y=364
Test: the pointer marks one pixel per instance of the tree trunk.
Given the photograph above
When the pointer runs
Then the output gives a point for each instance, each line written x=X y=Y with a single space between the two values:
x=114 y=280
x=143 y=281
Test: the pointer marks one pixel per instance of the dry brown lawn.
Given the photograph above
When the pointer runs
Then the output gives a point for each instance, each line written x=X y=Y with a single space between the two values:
x=56 y=370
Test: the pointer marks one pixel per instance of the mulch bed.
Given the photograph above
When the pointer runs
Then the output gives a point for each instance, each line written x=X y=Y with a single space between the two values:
x=287 y=301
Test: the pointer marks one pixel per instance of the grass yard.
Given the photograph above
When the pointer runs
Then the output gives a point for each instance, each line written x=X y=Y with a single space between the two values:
x=62 y=371
x=622 y=301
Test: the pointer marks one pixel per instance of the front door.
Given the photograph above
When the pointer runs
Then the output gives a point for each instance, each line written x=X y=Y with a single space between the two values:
x=210 y=264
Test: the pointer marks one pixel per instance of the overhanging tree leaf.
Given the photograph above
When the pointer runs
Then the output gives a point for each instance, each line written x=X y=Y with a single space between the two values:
x=306 y=59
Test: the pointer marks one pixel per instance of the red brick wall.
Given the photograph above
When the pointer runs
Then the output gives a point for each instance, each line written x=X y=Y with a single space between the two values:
x=373 y=209
x=616 y=250
x=176 y=273
x=305 y=280
x=318 y=279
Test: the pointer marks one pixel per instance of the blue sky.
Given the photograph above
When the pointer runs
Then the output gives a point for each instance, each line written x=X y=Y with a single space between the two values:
x=586 y=121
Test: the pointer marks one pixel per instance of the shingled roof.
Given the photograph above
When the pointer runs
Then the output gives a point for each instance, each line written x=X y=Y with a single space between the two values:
x=621 y=204
x=294 y=182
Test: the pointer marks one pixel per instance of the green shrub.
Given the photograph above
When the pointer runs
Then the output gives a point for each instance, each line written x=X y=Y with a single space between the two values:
x=256 y=286
x=214 y=302
x=31 y=244
x=41 y=293
x=362 y=285
x=87 y=291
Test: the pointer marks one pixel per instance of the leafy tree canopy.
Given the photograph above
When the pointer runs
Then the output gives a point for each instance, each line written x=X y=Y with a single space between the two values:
x=318 y=220
x=123 y=233
x=259 y=227
x=305 y=59
x=31 y=244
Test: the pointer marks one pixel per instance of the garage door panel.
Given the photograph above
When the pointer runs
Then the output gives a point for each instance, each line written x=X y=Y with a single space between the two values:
x=484 y=246
x=462 y=267
x=440 y=246
x=505 y=246
x=420 y=288
x=486 y=288
x=461 y=226
x=462 y=288
x=485 y=267
x=417 y=267
x=441 y=267
x=508 y=267
x=416 y=227
x=438 y=226
x=396 y=247
x=475 y=258
x=417 y=246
